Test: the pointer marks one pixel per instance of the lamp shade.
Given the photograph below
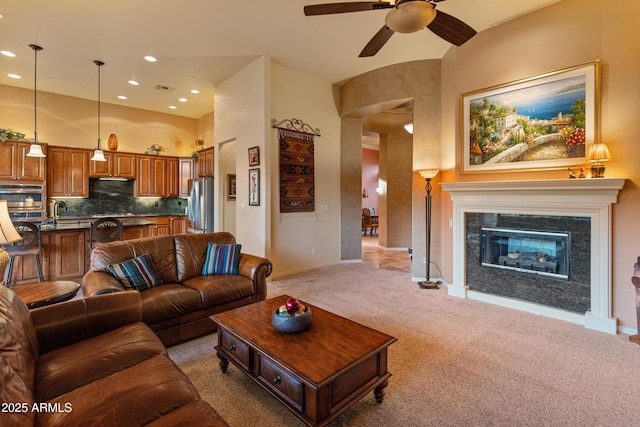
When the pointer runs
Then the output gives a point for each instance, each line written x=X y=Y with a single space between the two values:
x=599 y=153
x=8 y=233
x=410 y=16
x=98 y=156
x=35 y=150
x=428 y=173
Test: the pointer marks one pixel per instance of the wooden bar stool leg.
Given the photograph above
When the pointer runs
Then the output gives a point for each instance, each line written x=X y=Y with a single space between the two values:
x=39 y=268
x=7 y=276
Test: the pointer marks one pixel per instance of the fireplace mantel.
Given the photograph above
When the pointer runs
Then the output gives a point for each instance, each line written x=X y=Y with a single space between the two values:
x=591 y=198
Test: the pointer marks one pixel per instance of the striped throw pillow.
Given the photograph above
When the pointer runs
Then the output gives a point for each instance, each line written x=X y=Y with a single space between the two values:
x=138 y=273
x=221 y=259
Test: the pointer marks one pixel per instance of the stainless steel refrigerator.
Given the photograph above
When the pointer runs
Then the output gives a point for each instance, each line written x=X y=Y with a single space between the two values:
x=200 y=208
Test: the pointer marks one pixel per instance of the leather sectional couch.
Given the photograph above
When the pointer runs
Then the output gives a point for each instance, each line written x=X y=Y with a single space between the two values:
x=178 y=310
x=90 y=362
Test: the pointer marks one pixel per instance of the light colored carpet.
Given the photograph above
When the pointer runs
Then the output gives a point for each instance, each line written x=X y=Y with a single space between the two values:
x=456 y=363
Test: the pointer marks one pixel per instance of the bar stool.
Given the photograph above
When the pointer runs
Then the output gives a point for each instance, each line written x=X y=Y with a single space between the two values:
x=105 y=230
x=30 y=245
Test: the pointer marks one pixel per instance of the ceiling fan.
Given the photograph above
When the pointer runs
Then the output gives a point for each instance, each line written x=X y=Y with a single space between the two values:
x=405 y=16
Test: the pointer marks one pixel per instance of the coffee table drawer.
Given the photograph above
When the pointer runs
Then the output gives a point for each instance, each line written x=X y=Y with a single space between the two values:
x=281 y=382
x=235 y=348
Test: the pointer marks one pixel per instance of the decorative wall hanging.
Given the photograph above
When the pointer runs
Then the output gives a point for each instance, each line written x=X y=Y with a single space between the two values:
x=297 y=181
x=254 y=187
x=543 y=122
x=254 y=156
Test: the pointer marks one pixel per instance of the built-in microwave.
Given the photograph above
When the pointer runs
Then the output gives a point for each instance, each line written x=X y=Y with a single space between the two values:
x=26 y=202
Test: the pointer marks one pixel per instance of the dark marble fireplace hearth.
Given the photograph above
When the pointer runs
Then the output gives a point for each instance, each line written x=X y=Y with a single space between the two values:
x=573 y=294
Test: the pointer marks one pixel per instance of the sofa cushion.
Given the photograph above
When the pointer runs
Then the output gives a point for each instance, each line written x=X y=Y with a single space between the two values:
x=221 y=289
x=191 y=250
x=137 y=273
x=160 y=248
x=221 y=259
x=62 y=370
x=134 y=396
x=18 y=355
x=169 y=301
x=196 y=413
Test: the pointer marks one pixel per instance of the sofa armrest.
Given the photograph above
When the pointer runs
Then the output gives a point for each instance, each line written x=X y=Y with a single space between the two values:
x=97 y=282
x=59 y=325
x=257 y=269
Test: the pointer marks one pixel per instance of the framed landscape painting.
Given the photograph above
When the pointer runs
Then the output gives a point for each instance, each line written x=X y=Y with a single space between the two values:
x=543 y=122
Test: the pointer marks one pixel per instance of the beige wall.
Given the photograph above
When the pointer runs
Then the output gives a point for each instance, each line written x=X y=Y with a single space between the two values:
x=388 y=87
x=569 y=33
x=73 y=122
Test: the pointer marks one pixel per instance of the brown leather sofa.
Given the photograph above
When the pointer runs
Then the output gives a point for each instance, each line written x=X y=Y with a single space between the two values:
x=90 y=362
x=179 y=309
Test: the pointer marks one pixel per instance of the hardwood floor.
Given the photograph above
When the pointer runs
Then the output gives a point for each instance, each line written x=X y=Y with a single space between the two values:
x=386 y=259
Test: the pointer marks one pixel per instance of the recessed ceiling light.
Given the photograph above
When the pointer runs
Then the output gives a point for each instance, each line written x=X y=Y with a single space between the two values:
x=173 y=107
x=133 y=83
x=182 y=99
x=122 y=97
x=195 y=91
x=14 y=76
x=7 y=53
x=150 y=58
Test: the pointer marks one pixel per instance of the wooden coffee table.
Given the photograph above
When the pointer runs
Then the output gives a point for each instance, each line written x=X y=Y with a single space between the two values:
x=317 y=374
x=46 y=293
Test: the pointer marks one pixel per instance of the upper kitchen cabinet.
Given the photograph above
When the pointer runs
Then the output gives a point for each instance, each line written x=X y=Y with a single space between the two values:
x=156 y=176
x=68 y=172
x=15 y=165
x=186 y=174
x=205 y=162
x=118 y=165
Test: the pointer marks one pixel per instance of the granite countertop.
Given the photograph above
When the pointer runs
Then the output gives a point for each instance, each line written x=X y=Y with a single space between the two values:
x=79 y=224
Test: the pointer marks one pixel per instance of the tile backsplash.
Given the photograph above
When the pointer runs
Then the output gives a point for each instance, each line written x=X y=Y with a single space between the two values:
x=116 y=197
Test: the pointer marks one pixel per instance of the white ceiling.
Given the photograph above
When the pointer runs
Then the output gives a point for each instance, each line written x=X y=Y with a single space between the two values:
x=200 y=43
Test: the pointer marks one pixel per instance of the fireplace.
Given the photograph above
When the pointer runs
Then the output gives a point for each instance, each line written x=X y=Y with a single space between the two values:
x=537 y=246
x=525 y=251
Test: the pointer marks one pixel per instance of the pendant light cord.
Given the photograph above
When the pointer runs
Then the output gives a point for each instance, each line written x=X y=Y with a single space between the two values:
x=99 y=64
x=35 y=48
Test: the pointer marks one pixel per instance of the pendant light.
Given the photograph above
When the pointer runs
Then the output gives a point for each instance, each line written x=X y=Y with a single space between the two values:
x=36 y=149
x=98 y=155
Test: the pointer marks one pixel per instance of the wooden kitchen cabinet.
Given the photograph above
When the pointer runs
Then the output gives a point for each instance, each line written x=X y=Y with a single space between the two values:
x=172 y=178
x=135 y=232
x=68 y=254
x=14 y=163
x=205 y=162
x=161 y=226
x=157 y=176
x=187 y=167
x=68 y=172
x=118 y=165
x=177 y=225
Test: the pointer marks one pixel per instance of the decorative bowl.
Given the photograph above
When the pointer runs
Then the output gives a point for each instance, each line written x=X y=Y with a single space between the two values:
x=293 y=324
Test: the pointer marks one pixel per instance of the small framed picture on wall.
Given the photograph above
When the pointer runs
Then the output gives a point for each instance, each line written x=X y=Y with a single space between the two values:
x=254 y=187
x=254 y=156
x=231 y=186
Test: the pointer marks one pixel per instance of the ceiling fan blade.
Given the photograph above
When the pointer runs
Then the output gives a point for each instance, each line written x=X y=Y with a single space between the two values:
x=376 y=43
x=451 y=29
x=331 y=8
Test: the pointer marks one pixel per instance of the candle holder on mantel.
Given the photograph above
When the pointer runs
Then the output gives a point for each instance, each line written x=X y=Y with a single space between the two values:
x=636 y=282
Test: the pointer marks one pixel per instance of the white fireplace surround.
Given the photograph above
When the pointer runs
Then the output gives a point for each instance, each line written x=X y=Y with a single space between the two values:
x=591 y=198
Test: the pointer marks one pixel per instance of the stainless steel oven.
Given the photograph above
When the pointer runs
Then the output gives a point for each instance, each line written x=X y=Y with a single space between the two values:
x=26 y=202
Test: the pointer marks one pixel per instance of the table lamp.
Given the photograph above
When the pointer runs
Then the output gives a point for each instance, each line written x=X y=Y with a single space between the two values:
x=8 y=233
x=598 y=153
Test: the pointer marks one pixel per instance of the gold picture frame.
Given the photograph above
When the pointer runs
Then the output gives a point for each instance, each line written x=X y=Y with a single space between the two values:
x=543 y=122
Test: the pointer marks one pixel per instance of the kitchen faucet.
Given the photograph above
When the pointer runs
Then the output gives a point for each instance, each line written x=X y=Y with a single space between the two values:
x=55 y=210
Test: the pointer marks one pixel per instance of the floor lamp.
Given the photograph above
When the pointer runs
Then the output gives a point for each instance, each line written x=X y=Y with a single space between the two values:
x=428 y=175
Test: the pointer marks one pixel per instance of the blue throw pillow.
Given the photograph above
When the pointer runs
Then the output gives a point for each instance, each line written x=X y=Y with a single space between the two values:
x=221 y=259
x=138 y=273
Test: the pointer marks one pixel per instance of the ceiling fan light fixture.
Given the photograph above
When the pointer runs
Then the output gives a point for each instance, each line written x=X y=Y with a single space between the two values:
x=410 y=16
